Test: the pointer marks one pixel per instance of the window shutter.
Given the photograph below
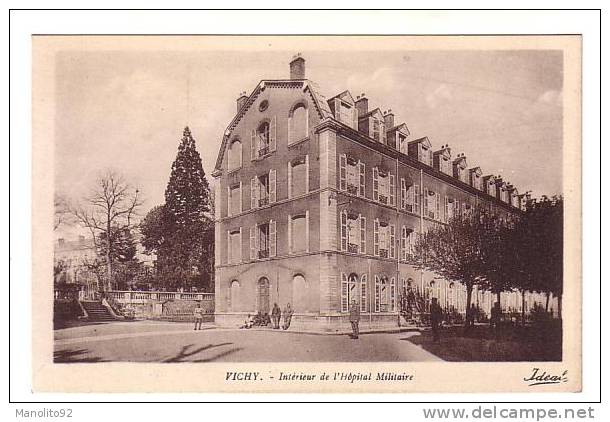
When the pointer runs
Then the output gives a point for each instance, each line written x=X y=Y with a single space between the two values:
x=307 y=173
x=257 y=241
x=228 y=246
x=392 y=241
x=416 y=197
x=272 y=134
x=254 y=192
x=375 y=184
x=342 y=172
x=241 y=208
x=240 y=246
x=392 y=189
x=272 y=186
x=253 y=250
x=272 y=238
x=362 y=170
x=426 y=202
x=377 y=294
x=228 y=201
x=403 y=193
x=253 y=145
x=403 y=243
x=363 y=292
x=307 y=230
x=376 y=237
x=362 y=234
x=392 y=294
x=289 y=234
x=344 y=230
x=289 y=179
x=344 y=293
x=446 y=209
x=438 y=206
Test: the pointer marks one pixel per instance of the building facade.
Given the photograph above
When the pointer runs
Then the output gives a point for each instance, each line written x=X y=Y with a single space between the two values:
x=319 y=202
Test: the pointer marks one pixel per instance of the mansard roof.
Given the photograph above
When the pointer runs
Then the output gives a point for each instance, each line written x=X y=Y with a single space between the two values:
x=319 y=101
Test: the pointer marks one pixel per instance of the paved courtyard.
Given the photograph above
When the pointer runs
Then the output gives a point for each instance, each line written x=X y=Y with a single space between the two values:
x=149 y=341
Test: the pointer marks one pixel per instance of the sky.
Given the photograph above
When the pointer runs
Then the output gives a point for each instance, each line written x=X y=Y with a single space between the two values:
x=126 y=110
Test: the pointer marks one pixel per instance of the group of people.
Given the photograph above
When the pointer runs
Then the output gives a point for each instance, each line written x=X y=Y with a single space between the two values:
x=263 y=319
x=436 y=318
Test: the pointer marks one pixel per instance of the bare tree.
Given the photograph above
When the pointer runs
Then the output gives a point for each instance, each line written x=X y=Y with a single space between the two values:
x=62 y=211
x=111 y=208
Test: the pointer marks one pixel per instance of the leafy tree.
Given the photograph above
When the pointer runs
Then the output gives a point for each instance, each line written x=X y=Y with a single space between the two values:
x=455 y=250
x=181 y=232
x=540 y=247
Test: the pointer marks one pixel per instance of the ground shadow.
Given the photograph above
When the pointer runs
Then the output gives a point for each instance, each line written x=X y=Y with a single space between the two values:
x=75 y=356
x=186 y=353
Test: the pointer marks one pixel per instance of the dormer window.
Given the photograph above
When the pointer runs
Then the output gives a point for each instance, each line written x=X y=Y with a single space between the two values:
x=402 y=143
x=263 y=140
x=352 y=175
x=344 y=109
x=377 y=129
x=384 y=187
x=476 y=181
x=425 y=154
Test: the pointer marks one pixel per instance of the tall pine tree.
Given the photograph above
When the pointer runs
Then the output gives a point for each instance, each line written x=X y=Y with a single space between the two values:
x=187 y=196
x=185 y=247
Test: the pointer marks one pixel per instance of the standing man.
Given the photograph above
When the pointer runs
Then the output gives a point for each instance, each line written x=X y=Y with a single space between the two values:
x=198 y=316
x=276 y=313
x=287 y=316
x=354 y=318
x=436 y=317
x=496 y=316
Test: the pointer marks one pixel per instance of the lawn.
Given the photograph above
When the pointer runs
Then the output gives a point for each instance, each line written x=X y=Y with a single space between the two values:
x=513 y=344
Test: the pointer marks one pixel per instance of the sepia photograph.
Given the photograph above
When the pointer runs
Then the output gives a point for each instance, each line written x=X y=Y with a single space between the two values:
x=382 y=204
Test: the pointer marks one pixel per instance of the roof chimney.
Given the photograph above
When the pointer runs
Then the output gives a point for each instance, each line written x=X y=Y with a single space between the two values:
x=388 y=119
x=241 y=100
x=297 y=67
x=362 y=104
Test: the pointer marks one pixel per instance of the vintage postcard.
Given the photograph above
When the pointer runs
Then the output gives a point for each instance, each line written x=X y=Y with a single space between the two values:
x=306 y=214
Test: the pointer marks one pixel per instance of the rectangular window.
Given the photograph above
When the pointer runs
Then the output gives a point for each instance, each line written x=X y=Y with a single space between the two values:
x=363 y=294
x=234 y=246
x=298 y=176
x=263 y=240
x=392 y=190
x=299 y=233
x=235 y=199
x=416 y=204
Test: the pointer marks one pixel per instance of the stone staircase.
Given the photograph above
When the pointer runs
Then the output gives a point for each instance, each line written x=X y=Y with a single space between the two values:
x=96 y=311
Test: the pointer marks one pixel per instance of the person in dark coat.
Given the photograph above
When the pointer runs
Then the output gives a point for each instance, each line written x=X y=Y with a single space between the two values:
x=354 y=318
x=276 y=313
x=436 y=317
x=287 y=316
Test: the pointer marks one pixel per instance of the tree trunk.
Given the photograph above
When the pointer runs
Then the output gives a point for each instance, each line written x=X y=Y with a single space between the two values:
x=469 y=287
x=546 y=306
x=498 y=293
x=523 y=307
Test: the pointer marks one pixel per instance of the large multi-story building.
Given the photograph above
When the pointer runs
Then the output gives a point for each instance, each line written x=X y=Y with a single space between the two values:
x=319 y=201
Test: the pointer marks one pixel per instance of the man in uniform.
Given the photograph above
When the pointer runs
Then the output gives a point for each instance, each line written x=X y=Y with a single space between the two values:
x=354 y=318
